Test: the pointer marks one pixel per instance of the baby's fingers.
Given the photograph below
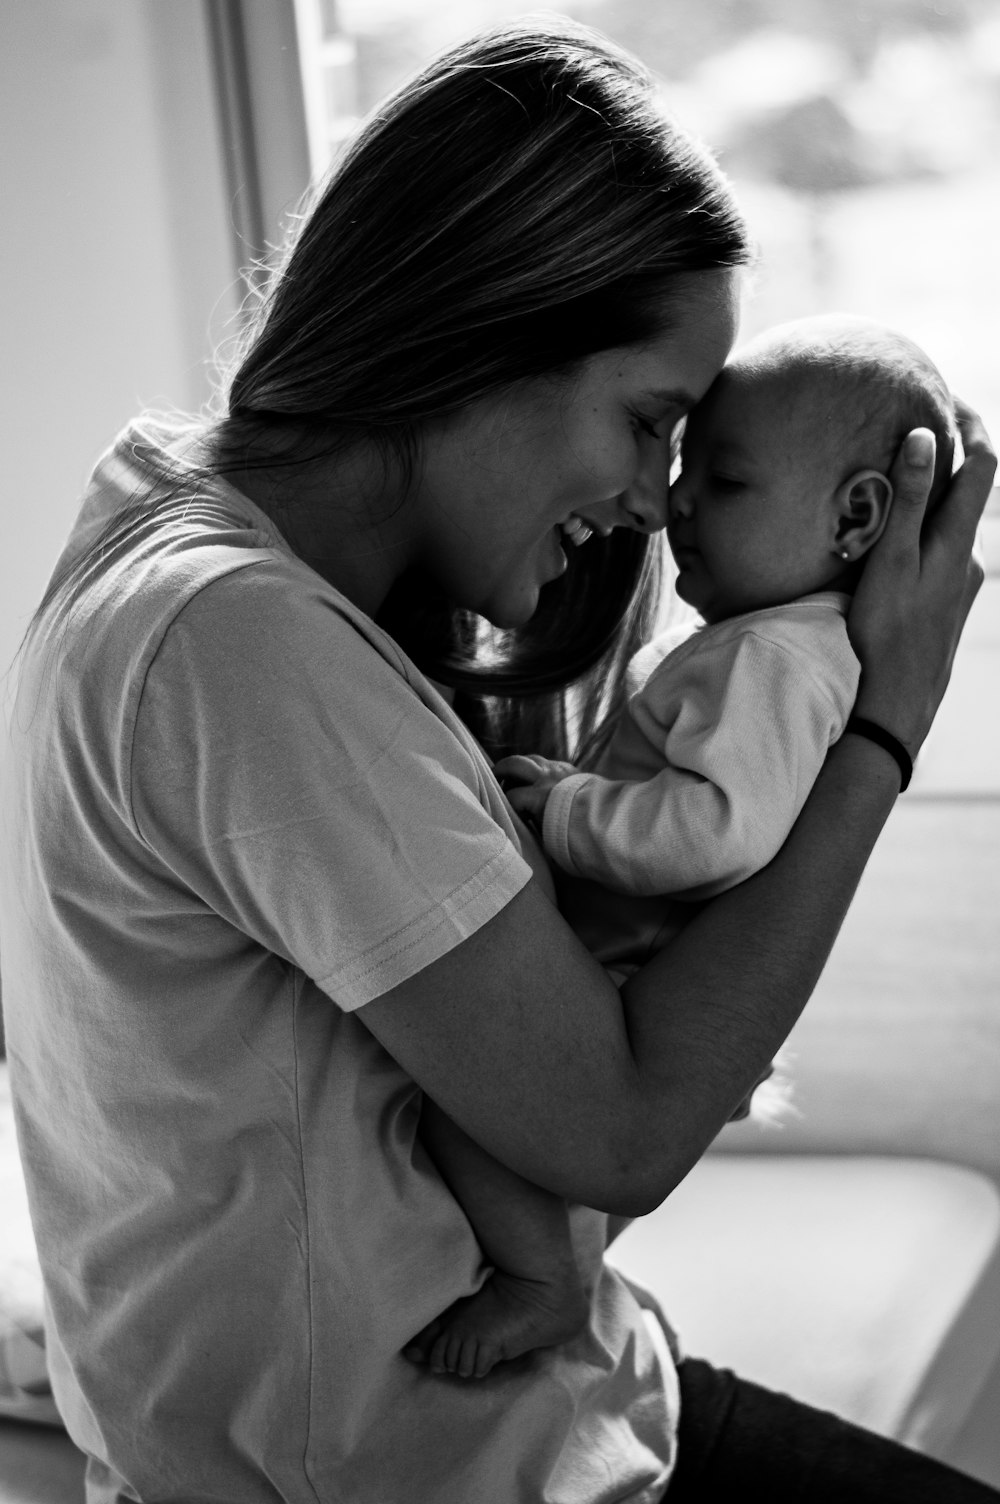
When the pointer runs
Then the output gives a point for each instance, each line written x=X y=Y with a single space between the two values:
x=520 y=769
x=531 y=768
x=529 y=799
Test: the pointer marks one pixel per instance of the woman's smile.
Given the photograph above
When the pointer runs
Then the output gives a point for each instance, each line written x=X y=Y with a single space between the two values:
x=514 y=479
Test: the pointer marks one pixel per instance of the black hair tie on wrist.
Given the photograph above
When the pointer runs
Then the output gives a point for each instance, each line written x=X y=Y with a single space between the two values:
x=885 y=739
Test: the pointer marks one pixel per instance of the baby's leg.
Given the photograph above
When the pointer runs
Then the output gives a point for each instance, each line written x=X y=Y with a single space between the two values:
x=535 y=1296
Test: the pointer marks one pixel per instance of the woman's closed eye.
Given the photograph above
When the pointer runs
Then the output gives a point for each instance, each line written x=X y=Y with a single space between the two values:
x=645 y=425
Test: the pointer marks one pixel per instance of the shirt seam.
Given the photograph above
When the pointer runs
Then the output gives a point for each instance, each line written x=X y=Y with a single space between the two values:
x=804 y=668
x=308 y=1240
x=175 y=616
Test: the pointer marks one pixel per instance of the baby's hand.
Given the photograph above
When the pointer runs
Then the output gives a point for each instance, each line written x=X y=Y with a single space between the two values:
x=528 y=781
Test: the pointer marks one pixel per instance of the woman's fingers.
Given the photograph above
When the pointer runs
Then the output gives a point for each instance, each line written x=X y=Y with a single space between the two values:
x=972 y=484
x=957 y=518
x=919 y=583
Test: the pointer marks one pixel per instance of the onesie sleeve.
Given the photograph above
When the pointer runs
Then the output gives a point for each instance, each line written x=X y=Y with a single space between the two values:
x=742 y=742
x=304 y=793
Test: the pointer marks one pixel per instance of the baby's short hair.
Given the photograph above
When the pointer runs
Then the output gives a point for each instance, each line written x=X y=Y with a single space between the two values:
x=872 y=386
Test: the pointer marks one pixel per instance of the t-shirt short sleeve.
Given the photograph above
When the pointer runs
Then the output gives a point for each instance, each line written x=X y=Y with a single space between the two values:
x=311 y=789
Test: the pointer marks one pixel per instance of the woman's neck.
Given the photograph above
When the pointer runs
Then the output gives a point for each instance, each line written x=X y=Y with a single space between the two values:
x=340 y=514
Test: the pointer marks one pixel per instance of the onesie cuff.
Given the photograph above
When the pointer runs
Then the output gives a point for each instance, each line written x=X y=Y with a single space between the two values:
x=555 y=821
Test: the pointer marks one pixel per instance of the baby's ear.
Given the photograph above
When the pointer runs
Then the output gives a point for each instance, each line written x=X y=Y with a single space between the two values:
x=862 y=509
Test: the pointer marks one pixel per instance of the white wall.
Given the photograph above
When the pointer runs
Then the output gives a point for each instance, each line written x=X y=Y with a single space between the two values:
x=119 y=268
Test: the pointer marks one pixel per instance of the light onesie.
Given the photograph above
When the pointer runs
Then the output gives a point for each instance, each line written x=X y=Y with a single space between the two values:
x=705 y=773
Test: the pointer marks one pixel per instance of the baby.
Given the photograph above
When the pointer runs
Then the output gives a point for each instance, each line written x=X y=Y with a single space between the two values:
x=783 y=489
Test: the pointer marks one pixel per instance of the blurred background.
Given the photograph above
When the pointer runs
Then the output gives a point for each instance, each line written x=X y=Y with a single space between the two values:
x=864 y=139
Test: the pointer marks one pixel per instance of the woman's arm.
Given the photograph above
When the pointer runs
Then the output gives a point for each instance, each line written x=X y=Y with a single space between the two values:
x=520 y=1037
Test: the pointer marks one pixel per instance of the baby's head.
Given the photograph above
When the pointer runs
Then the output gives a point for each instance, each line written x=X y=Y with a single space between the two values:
x=784 y=464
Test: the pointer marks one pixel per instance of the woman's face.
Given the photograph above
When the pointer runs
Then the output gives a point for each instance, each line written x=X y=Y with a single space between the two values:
x=509 y=480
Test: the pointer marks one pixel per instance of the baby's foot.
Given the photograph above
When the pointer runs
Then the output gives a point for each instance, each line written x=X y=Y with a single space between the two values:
x=509 y=1316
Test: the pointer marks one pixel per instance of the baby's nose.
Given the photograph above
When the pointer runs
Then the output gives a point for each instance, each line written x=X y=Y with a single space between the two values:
x=681 y=498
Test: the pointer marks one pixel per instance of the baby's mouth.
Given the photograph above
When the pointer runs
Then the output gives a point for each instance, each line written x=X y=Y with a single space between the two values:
x=678 y=545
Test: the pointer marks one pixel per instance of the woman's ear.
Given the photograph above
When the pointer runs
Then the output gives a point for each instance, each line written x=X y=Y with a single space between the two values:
x=861 y=505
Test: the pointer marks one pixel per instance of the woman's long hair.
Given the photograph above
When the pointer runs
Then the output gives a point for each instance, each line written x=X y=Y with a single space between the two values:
x=519 y=205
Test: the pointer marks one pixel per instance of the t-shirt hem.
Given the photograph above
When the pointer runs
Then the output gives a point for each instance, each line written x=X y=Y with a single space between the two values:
x=476 y=901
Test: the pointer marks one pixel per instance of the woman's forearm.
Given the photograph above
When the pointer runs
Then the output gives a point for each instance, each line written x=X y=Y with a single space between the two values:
x=706 y=1014
x=609 y=1100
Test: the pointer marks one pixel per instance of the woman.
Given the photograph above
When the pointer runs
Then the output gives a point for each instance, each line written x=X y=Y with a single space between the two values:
x=261 y=889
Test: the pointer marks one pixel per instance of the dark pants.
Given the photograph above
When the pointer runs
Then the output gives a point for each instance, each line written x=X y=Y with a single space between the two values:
x=739 y=1441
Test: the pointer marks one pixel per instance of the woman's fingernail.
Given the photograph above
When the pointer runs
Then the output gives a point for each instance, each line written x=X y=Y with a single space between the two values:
x=918 y=447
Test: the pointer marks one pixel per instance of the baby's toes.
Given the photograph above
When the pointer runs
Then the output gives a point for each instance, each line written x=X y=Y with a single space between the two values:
x=487 y=1357
x=467 y=1364
x=439 y=1356
x=459 y=1361
x=419 y=1348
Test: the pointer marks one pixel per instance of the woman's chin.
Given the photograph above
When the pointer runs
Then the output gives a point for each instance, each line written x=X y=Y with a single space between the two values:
x=514 y=604
x=508 y=615
x=513 y=607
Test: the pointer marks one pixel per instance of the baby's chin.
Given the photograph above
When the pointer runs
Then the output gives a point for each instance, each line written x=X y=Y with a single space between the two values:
x=709 y=606
x=687 y=591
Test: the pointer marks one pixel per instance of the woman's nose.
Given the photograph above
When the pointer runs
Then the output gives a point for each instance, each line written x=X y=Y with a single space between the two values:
x=645 y=500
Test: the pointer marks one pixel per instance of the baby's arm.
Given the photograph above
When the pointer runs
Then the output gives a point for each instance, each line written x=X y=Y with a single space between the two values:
x=535 y=1296
x=741 y=739
x=528 y=780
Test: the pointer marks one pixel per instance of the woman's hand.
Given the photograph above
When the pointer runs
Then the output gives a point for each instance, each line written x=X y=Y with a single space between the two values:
x=918 y=584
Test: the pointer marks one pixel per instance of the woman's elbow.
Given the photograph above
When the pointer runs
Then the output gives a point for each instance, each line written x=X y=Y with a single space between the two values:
x=632 y=1185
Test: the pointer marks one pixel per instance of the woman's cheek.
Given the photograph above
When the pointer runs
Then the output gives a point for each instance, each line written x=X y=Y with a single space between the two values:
x=607 y=460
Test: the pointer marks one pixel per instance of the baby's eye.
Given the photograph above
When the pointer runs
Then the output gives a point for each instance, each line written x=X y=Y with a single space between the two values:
x=728 y=485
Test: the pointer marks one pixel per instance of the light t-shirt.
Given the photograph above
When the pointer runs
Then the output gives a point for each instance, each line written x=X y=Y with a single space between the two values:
x=234 y=813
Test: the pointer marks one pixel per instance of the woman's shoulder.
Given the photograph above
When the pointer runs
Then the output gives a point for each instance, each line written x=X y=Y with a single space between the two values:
x=175 y=583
